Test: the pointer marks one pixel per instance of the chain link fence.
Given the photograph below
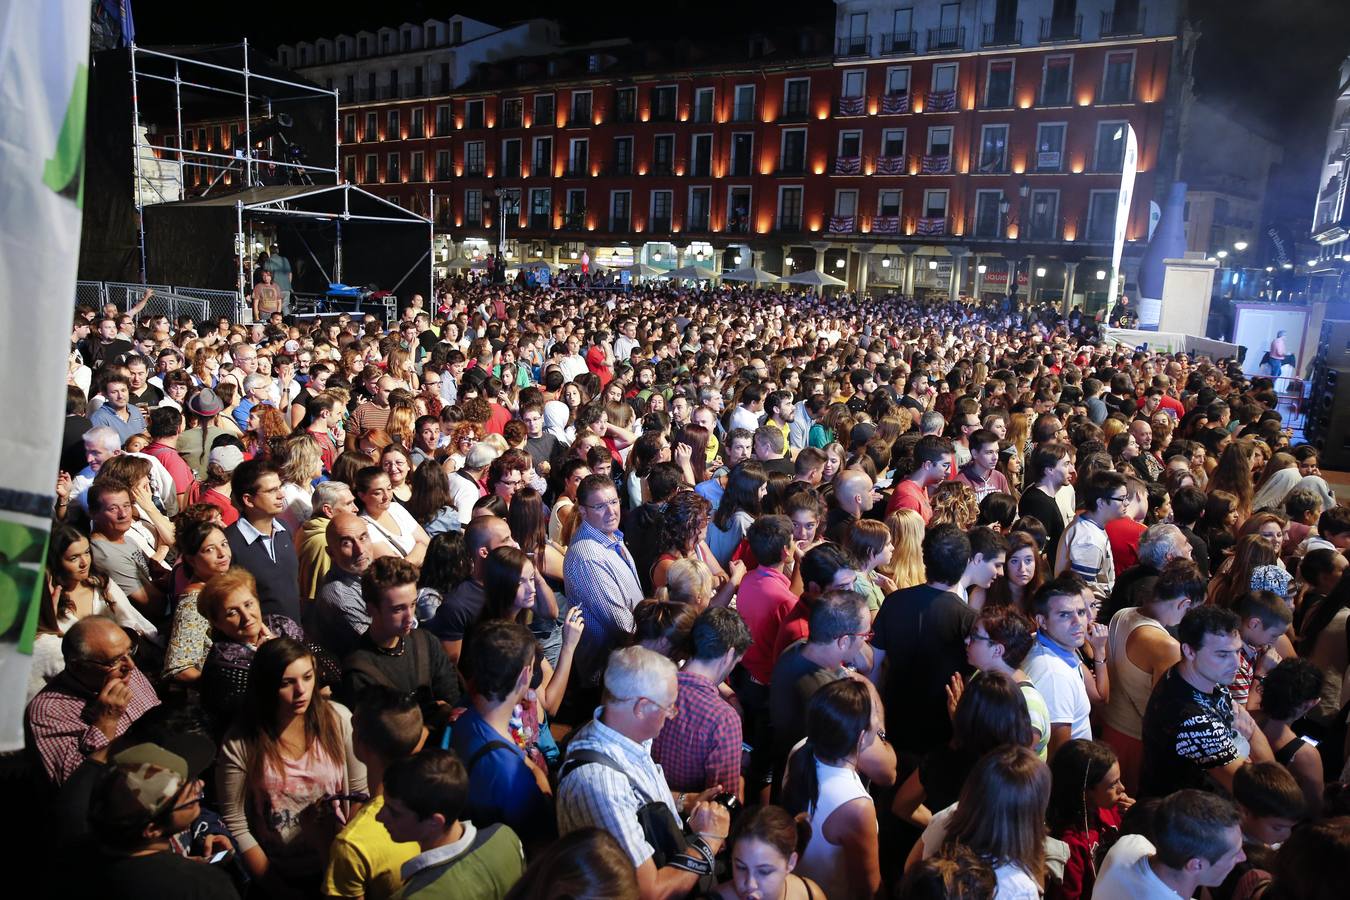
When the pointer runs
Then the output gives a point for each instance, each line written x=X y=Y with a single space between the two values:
x=200 y=303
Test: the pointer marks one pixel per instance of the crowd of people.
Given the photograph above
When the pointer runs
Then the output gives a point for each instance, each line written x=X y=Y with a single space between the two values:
x=546 y=592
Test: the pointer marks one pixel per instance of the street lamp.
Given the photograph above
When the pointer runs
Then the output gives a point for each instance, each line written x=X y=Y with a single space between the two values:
x=1040 y=271
x=1101 y=274
x=1222 y=254
x=932 y=264
x=737 y=259
x=981 y=268
x=885 y=262
x=787 y=261
x=656 y=256
x=1270 y=268
x=1239 y=246
x=838 y=263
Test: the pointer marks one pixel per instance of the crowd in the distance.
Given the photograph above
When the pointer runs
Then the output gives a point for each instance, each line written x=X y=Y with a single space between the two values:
x=554 y=592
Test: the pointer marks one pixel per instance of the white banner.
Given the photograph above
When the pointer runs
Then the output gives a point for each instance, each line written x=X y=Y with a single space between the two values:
x=44 y=80
x=1123 y=203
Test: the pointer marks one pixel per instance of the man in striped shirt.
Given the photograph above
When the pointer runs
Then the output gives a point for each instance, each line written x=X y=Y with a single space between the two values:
x=1084 y=547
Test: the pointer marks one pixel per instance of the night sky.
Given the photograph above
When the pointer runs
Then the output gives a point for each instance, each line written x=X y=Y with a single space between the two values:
x=1277 y=59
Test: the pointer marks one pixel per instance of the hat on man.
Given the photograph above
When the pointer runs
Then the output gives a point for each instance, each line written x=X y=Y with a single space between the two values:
x=227 y=457
x=140 y=784
x=205 y=403
x=1271 y=578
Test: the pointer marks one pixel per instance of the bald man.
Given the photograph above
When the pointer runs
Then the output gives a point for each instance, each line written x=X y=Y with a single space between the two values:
x=374 y=413
x=854 y=497
x=339 y=615
x=90 y=704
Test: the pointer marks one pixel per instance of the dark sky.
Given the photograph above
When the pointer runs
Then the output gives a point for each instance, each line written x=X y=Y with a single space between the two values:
x=1278 y=59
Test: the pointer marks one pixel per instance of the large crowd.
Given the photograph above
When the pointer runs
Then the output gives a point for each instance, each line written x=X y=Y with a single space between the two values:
x=557 y=592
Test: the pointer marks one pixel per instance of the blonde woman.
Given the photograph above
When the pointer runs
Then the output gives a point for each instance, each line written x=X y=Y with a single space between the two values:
x=303 y=464
x=905 y=567
x=688 y=581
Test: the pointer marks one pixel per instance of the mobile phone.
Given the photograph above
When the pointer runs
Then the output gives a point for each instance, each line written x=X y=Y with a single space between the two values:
x=218 y=857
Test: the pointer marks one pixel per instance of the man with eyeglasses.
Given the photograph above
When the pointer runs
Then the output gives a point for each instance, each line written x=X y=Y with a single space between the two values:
x=600 y=577
x=1085 y=548
x=92 y=702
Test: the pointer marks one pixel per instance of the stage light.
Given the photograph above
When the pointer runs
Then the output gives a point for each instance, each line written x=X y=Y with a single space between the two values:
x=1101 y=275
x=1040 y=272
x=838 y=263
x=1222 y=254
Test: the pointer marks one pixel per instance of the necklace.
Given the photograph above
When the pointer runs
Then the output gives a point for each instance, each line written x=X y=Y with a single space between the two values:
x=396 y=650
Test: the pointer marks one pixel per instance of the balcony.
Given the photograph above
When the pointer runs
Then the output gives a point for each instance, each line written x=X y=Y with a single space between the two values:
x=473 y=170
x=576 y=170
x=740 y=168
x=444 y=173
x=660 y=114
x=743 y=114
x=793 y=112
x=847 y=165
x=940 y=101
x=622 y=116
x=895 y=104
x=443 y=127
x=541 y=169
x=854 y=45
x=850 y=106
x=1001 y=34
x=659 y=225
x=541 y=222
x=574 y=220
x=663 y=167
x=1130 y=24
x=620 y=224
x=696 y=224
x=579 y=120
x=930 y=226
x=1068 y=28
x=934 y=164
x=891 y=165
x=737 y=225
x=886 y=224
x=788 y=224
x=621 y=168
x=900 y=42
x=791 y=167
x=842 y=225
x=953 y=38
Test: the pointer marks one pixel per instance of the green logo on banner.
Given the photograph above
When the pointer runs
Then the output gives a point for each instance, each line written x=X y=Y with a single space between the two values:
x=64 y=172
x=22 y=552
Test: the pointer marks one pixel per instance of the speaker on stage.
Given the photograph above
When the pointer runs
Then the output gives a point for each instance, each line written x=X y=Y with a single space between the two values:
x=1328 y=422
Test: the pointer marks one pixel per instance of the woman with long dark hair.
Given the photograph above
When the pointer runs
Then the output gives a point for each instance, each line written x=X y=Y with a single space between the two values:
x=431 y=504
x=1086 y=803
x=445 y=566
x=203 y=553
x=766 y=846
x=740 y=506
x=1023 y=574
x=288 y=778
x=843 y=723
x=390 y=523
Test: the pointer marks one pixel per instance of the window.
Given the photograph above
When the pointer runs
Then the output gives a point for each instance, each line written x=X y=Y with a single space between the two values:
x=393 y=175
x=700 y=208
x=372 y=169
x=1044 y=215
x=574 y=217
x=855 y=83
x=623 y=156
x=1118 y=82
x=473 y=114
x=738 y=210
x=370 y=86
x=391 y=131
x=1049 y=147
x=578 y=157
x=944 y=77
x=888 y=203
x=418 y=128
x=998 y=86
x=349 y=129
x=663 y=103
x=1101 y=217
x=620 y=210
x=625 y=105
x=856 y=44
x=442 y=121
x=902 y=31
x=988 y=217
x=790 y=209
x=443 y=170
x=897 y=81
x=417 y=167
x=348 y=169
x=663 y=154
x=703 y=105
x=893 y=142
x=541 y=207
x=513 y=112
x=742 y=147
x=792 y=157
x=473 y=208
x=473 y=158
x=581 y=108
x=940 y=141
x=993 y=149
x=846 y=203
x=511 y=158
x=1055 y=80
x=350 y=93
x=511 y=207
x=850 y=144
x=372 y=131
x=795 y=94
x=542 y=164
x=543 y=110
x=662 y=202
x=1110 y=152
x=935 y=204
x=743 y=108
x=700 y=160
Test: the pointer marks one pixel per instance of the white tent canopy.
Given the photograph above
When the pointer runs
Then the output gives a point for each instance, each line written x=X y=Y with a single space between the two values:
x=698 y=273
x=751 y=276
x=642 y=270
x=812 y=278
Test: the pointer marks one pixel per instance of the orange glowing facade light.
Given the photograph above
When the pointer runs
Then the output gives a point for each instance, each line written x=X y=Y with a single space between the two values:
x=1070 y=233
x=1019 y=166
x=1012 y=232
x=819 y=168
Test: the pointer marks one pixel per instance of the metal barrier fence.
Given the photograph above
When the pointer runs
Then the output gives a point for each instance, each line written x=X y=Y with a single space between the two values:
x=200 y=303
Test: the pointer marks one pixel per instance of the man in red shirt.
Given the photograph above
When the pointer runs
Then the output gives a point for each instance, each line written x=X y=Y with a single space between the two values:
x=166 y=424
x=765 y=597
x=932 y=465
x=1125 y=532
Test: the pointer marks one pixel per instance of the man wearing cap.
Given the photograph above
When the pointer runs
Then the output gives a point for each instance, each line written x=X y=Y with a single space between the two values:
x=96 y=698
x=147 y=795
x=194 y=444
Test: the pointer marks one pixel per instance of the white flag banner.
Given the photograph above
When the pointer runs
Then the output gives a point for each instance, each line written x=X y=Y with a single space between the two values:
x=1123 y=202
x=44 y=79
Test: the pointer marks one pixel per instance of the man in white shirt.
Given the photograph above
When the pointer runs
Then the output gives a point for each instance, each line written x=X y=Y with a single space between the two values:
x=627 y=341
x=1196 y=842
x=1062 y=623
x=573 y=364
x=746 y=414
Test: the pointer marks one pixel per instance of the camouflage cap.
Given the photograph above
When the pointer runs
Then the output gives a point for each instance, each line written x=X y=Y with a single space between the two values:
x=139 y=785
x=1271 y=578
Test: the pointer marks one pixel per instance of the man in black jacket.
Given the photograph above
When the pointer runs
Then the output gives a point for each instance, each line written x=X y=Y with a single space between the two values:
x=260 y=543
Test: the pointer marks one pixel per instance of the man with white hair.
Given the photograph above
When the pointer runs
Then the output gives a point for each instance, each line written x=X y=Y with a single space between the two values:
x=1159 y=545
x=609 y=776
x=466 y=483
x=255 y=394
x=103 y=443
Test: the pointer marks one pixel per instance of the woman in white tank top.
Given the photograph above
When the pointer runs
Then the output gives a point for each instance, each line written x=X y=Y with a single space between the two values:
x=843 y=737
x=1139 y=652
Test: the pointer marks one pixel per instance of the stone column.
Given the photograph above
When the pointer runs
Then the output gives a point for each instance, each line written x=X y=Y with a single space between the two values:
x=1070 y=275
x=864 y=267
x=679 y=256
x=958 y=272
x=820 y=247
x=910 y=256
x=1031 y=279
